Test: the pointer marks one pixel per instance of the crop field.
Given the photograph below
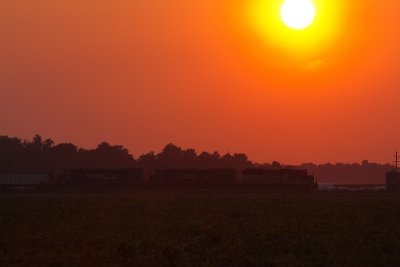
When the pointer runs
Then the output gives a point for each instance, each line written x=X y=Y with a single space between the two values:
x=154 y=228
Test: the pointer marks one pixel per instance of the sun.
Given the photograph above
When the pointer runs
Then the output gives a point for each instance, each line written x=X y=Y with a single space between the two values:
x=293 y=29
x=298 y=14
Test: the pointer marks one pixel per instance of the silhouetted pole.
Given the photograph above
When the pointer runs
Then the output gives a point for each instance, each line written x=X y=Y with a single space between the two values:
x=396 y=162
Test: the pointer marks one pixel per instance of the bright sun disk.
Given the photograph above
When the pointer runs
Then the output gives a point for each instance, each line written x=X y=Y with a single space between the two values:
x=298 y=14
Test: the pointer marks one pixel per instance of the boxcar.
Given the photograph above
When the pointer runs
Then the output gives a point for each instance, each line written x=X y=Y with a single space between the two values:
x=74 y=176
x=194 y=177
x=393 y=181
x=279 y=179
x=25 y=178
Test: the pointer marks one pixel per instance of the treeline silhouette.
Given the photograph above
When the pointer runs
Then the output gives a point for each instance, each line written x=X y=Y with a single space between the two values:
x=43 y=155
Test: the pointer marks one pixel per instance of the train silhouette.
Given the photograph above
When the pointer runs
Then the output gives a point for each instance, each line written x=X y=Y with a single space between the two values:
x=284 y=178
x=279 y=179
x=218 y=177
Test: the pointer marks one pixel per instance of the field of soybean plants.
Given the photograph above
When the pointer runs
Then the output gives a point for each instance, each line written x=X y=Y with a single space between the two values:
x=199 y=229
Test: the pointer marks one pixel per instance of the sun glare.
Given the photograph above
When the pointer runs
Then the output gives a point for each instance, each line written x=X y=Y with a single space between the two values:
x=296 y=28
x=298 y=14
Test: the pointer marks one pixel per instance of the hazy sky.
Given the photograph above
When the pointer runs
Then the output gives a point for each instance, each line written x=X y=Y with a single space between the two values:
x=201 y=74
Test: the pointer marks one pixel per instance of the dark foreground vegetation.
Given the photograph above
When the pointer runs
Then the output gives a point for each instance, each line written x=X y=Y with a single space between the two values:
x=201 y=228
x=43 y=155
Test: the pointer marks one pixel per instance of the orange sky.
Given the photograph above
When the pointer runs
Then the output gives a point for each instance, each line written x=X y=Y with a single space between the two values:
x=200 y=74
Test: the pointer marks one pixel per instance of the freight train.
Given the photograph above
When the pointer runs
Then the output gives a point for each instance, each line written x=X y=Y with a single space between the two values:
x=218 y=177
x=282 y=179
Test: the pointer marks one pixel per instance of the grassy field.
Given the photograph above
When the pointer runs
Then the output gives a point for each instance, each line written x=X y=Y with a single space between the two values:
x=199 y=229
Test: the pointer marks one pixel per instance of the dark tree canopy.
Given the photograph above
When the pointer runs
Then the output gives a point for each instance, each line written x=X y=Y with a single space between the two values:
x=44 y=155
x=41 y=154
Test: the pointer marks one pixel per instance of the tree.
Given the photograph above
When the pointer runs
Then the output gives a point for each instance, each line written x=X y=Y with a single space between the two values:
x=276 y=165
x=11 y=153
x=148 y=157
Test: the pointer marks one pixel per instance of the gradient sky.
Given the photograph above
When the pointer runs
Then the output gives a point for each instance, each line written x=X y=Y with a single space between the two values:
x=201 y=74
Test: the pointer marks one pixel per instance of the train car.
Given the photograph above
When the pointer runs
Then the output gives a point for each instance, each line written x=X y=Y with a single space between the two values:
x=194 y=177
x=260 y=177
x=102 y=176
x=393 y=181
x=130 y=175
x=173 y=176
x=25 y=179
x=219 y=176
x=297 y=177
x=285 y=179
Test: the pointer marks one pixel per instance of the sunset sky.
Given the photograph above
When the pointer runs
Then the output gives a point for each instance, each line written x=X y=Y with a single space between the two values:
x=213 y=75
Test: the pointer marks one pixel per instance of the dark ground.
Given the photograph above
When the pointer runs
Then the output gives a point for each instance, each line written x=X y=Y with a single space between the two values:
x=155 y=228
